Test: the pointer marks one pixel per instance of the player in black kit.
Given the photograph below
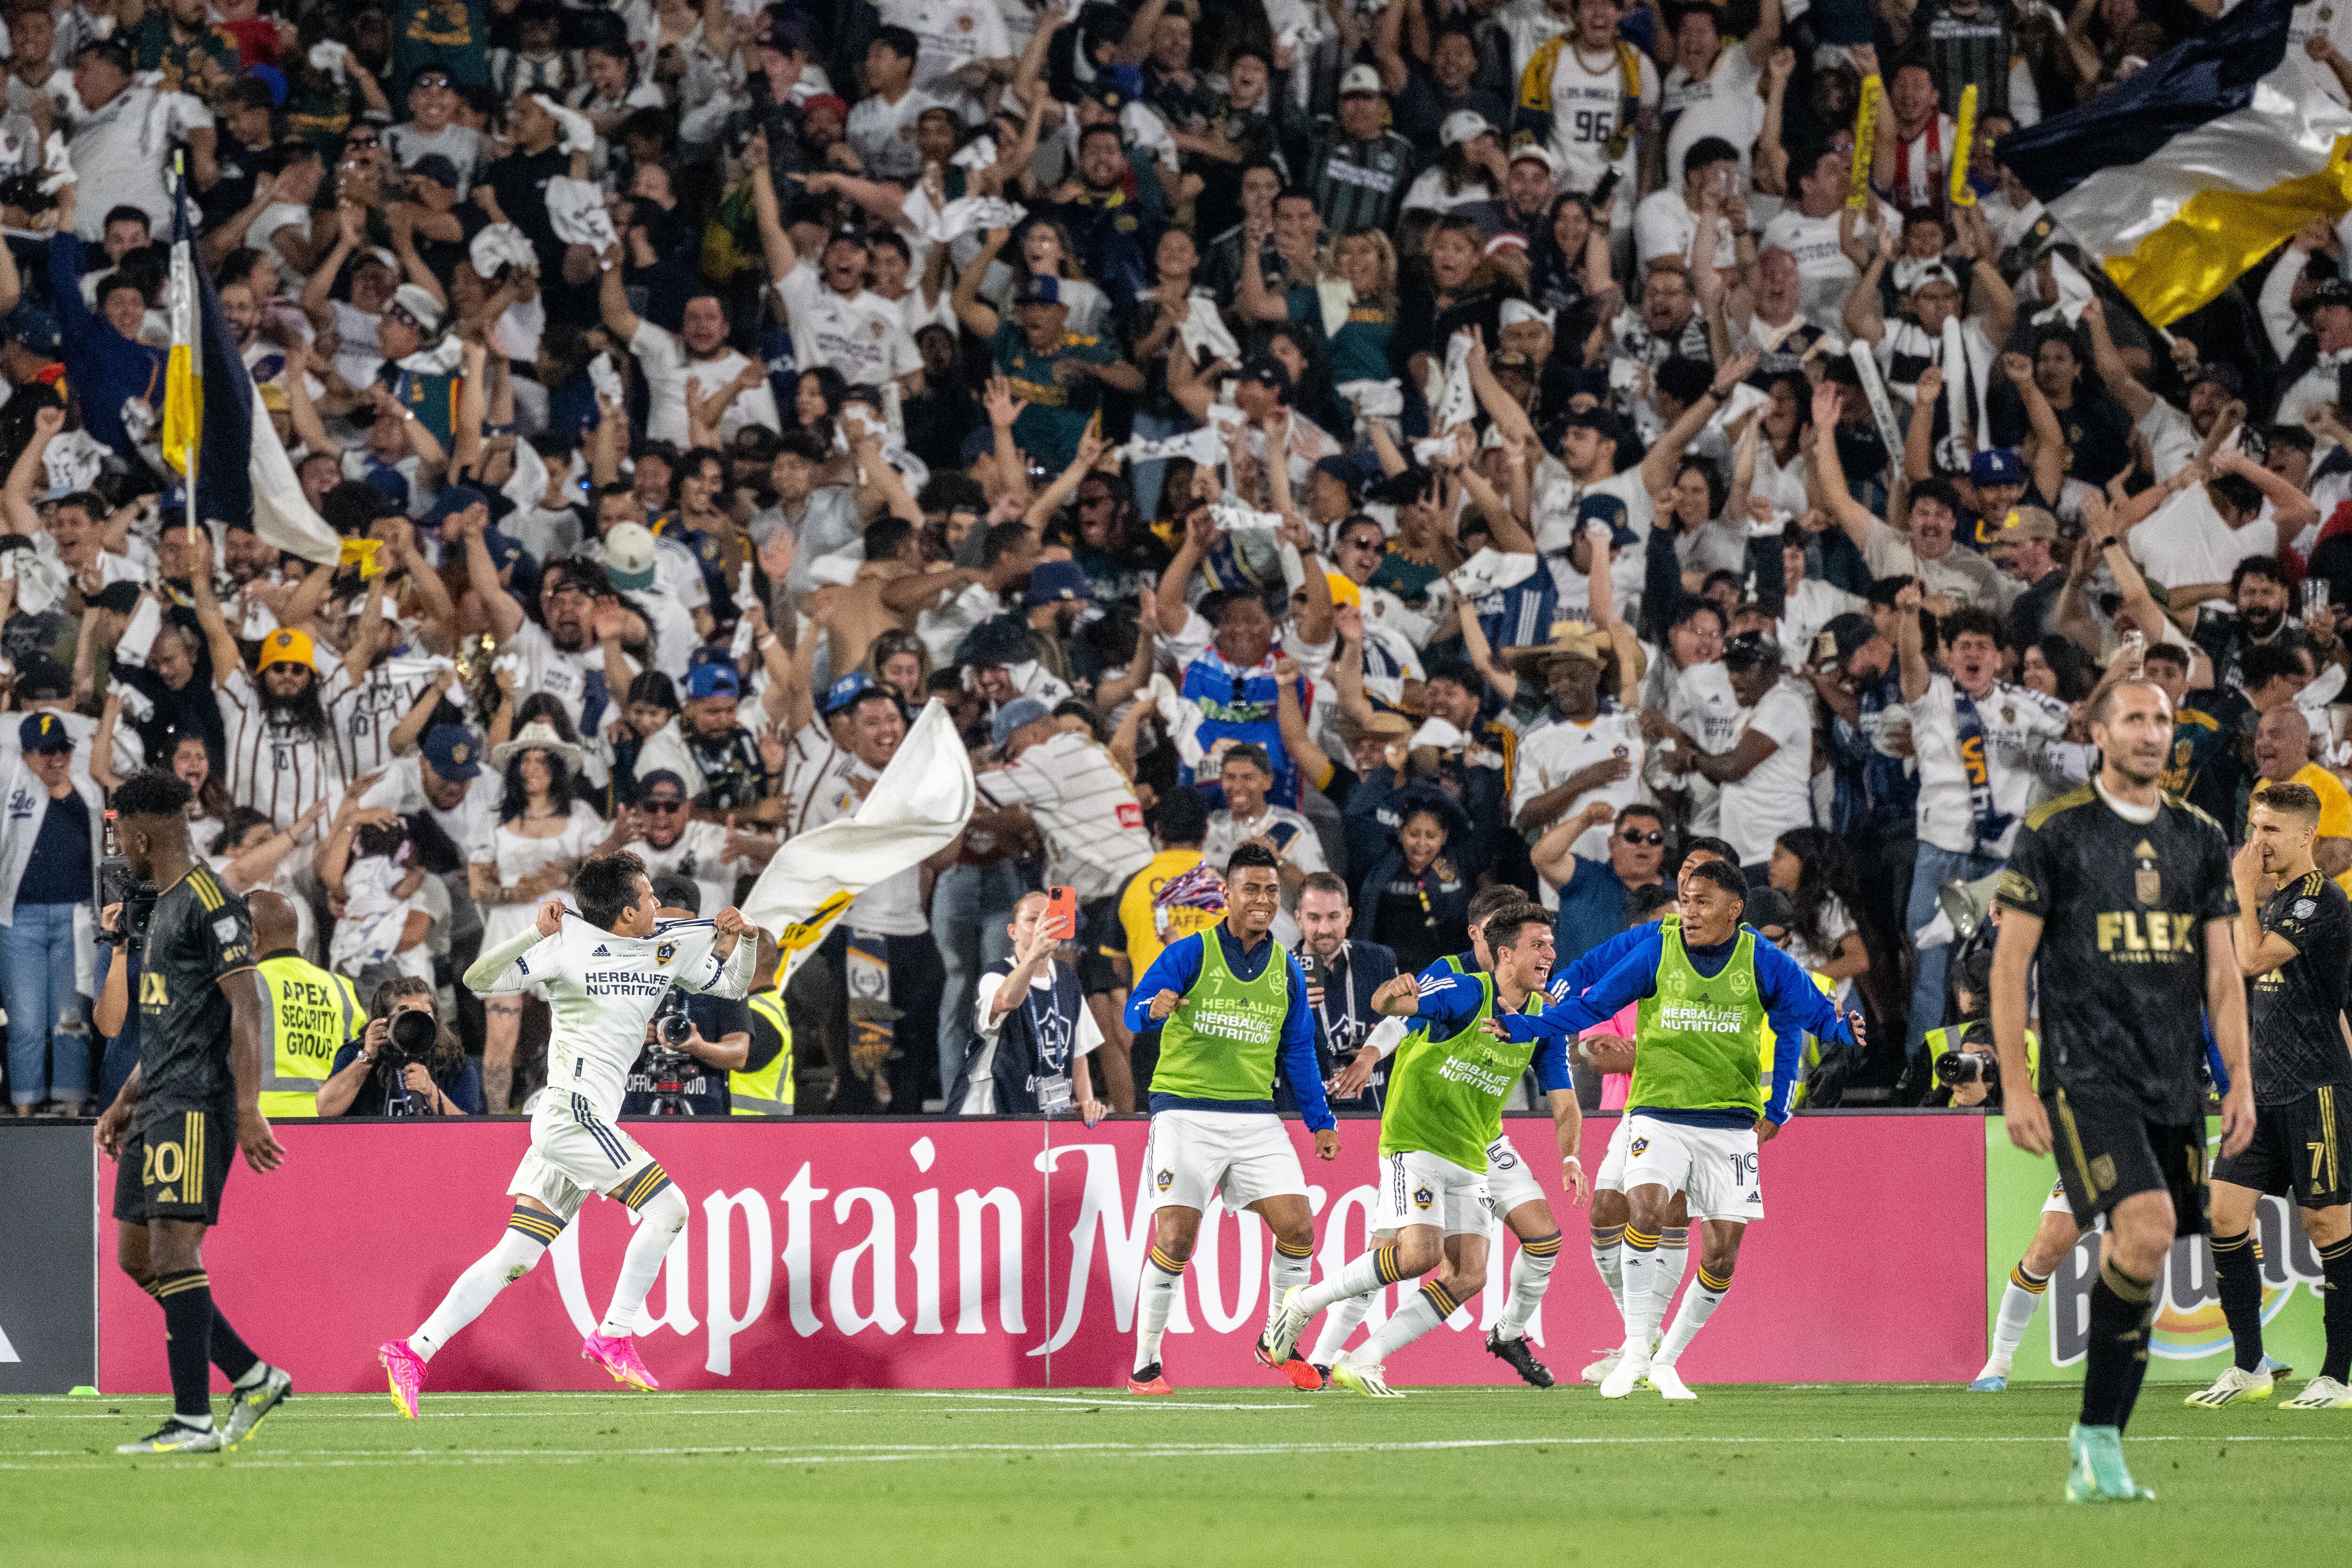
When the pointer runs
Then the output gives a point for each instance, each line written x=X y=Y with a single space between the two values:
x=2124 y=893
x=2293 y=936
x=195 y=1092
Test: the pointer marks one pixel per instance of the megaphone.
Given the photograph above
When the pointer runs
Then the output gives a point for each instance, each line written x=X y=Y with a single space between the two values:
x=1966 y=904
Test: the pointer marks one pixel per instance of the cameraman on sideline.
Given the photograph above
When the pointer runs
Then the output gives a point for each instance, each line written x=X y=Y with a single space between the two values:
x=1973 y=1078
x=446 y=1082
x=718 y=1032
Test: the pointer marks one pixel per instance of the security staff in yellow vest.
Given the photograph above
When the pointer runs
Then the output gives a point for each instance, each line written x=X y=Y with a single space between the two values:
x=312 y=1014
x=763 y=1086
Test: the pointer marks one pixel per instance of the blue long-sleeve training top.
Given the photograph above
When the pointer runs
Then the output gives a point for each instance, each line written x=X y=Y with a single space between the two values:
x=1449 y=1001
x=1795 y=1006
x=1178 y=965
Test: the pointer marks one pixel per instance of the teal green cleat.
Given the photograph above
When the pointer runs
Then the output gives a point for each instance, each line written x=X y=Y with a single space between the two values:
x=2097 y=1472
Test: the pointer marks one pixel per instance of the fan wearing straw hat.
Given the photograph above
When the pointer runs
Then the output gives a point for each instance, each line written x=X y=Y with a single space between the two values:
x=1589 y=747
x=541 y=835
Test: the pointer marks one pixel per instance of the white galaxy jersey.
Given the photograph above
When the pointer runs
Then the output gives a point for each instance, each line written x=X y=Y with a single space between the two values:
x=275 y=766
x=367 y=713
x=1586 y=102
x=603 y=990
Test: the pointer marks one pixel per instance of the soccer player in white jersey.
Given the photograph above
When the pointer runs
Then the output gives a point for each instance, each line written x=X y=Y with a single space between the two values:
x=606 y=971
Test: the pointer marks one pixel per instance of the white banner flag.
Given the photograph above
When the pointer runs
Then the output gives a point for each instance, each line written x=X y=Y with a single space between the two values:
x=914 y=810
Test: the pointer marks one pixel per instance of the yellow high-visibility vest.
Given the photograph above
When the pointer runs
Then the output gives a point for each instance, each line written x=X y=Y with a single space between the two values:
x=767 y=1091
x=313 y=1014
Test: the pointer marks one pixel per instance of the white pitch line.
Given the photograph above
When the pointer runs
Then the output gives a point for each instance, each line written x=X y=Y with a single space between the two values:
x=329 y=1459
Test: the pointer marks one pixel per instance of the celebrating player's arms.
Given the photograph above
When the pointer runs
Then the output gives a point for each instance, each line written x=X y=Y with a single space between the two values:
x=1229 y=1003
x=2294 y=938
x=2128 y=893
x=1514 y=1192
x=1444 y=1113
x=607 y=972
x=198 y=1086
x=1695 y=1114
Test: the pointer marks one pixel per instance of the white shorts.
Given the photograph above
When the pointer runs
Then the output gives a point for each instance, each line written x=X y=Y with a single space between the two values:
x=1509 y=1182
x=1714 y=1167
x=574 y=1151
x=1240 y=1156
x=1611 y=1177
x=1419 y=1188
x=2057 y=1203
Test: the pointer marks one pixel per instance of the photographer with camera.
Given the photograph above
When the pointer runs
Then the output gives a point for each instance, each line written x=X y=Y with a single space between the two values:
x=693 y=1041
x=1968 y=1075
x=407 y=1063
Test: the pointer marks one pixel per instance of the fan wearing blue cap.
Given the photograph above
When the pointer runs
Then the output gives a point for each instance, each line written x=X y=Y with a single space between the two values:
x=443 y=777
x=1059 y=596
x=48 y=861
x=1057 y=373
x=1995 y=486
x=734 y=775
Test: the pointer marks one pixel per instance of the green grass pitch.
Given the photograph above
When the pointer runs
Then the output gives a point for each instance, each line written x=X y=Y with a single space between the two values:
x=1485 y=1476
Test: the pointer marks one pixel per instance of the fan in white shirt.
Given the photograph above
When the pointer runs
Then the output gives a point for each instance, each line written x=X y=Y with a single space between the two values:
x=699 y=352
x=882 y=126
x=834 y=320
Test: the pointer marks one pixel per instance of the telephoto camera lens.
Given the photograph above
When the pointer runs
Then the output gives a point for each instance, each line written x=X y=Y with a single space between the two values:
x=413 y=1033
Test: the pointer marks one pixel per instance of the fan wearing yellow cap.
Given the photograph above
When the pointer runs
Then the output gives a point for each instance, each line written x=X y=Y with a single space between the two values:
x=281 y=743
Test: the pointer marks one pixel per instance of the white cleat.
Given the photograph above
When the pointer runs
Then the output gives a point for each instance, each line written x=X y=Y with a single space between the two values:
x=1600 y=1370
x=1668 y=1381
x=1632 y=1367
x=1290 y=1322
x=1367 y=1380
x=2232 y=1387
x=2321 y=1394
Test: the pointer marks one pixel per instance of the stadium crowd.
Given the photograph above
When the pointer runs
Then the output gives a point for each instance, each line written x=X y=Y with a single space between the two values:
x=1228 y=410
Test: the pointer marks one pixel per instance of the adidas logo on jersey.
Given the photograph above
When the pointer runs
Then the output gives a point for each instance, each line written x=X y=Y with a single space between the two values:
x=600 y=952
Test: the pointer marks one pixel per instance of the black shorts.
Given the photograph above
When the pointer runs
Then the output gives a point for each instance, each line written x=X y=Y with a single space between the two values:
x=2297 y=1149
x=1098 y=922
x=2109 y=1150
x=174 y=1165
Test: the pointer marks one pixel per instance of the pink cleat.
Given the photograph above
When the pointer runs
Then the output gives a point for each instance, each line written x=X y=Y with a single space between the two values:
x=617 y=1354
x=405 y=1368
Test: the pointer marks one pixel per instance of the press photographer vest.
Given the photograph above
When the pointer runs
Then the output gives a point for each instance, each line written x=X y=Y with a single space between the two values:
x=767 y=1091
x=313 y=1014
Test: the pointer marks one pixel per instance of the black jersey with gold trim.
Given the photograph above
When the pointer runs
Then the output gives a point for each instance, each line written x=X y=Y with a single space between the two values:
x=199 y=933
x=2124 y=907
x=2296 y=1010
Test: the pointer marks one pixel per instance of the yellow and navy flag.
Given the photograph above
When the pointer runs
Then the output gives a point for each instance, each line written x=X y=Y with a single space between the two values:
x=212 y=415
x=184 y=381
x=2188 y=173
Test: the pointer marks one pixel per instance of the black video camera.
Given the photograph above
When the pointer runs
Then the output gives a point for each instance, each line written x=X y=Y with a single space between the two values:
x=117 y=885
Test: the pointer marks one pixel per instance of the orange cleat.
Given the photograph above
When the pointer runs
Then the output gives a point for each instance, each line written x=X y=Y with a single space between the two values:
x=1147 y=1380
x=1301 y=1374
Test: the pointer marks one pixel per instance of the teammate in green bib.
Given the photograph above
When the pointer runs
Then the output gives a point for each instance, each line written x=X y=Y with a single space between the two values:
x=1699 y=1106
x=1230 y=1006
x=1444 y=1107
